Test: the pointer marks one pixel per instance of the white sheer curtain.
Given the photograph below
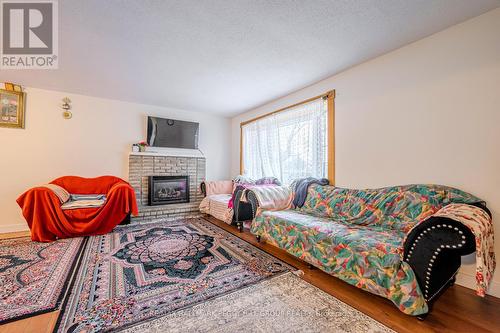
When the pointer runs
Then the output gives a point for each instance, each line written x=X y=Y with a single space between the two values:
x=289 y=144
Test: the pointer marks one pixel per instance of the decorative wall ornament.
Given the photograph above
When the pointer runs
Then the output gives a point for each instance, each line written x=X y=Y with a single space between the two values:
x=12 y=108
x=66 y=106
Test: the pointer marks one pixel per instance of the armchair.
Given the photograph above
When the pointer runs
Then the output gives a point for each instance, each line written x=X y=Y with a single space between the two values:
x=217 y=201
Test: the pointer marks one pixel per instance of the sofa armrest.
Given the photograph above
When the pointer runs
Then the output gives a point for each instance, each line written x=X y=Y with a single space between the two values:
x=433 y=250
x=271 y=197
x=254 y=203
x=243 y=210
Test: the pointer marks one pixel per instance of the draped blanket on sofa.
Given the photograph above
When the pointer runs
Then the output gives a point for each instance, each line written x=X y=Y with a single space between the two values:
x=358 y=235
x=42 y=207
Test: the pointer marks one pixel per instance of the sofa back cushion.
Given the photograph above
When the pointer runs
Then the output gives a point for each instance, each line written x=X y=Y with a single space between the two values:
x=81 y=185
x=396 y=207
x=218 y=187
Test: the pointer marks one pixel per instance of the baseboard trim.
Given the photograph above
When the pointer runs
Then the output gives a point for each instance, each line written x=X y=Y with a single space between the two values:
x=13 y=228
x=469 y=281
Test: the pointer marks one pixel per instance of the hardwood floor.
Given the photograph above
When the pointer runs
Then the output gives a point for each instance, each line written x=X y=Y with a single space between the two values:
x=14 y=234
x=43 y=323
x=457 y=310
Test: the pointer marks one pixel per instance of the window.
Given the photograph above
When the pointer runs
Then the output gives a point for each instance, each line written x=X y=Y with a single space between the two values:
x=291 y=143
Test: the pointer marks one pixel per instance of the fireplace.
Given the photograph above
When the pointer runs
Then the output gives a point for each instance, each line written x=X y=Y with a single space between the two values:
x=168 y=190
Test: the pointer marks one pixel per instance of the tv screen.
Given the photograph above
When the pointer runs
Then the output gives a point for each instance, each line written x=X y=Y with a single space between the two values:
x=172 y=133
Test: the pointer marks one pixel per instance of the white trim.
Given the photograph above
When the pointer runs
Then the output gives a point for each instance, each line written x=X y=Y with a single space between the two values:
x=13 y=228
x=469 y=281
x=178 y=152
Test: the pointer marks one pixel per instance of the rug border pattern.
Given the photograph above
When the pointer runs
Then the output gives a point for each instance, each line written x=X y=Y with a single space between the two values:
x=63 y=294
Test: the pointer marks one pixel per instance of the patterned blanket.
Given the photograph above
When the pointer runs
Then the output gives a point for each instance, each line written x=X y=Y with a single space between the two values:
x=364 y=244
x=481 y=225
x=220 y=196
x=216 y=205
x=300 y=187
x=272 y=197
x=396 y=207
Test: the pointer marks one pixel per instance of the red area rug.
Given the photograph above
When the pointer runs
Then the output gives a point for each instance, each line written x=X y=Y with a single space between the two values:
x=140 y=272
x=34 y=276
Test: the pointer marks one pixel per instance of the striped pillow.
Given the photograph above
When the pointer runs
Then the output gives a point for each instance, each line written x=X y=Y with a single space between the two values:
x=76 y=197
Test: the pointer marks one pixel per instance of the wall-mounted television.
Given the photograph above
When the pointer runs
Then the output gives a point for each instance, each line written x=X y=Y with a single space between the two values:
x=171 y=133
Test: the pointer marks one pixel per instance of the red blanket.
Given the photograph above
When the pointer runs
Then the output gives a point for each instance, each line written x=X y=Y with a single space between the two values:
x=42 y=208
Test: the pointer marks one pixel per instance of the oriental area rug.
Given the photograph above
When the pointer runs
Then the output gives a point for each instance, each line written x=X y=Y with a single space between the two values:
x=142 y=272
x=284 y=303
x=34 y=276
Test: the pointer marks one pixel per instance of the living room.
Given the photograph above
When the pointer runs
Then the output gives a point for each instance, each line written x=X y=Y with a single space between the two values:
x=320 y=166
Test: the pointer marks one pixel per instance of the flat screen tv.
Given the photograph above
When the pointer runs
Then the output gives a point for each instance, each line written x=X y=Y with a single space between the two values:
x=172 y=133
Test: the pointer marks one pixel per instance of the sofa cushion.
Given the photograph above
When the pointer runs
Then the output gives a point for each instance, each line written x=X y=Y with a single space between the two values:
x=218 y=206
x=218 y=187
x=368 y=257
x=83 y=204
x=334 y=243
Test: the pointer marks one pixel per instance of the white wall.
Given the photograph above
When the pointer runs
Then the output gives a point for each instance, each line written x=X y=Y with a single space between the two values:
x=426 y=113
x=96 y=141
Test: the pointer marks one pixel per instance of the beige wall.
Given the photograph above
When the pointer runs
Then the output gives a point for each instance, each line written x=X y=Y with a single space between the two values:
x=96 y=141
x=426 y=113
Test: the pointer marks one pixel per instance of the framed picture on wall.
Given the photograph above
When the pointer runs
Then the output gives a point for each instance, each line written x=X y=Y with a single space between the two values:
x=12 y=108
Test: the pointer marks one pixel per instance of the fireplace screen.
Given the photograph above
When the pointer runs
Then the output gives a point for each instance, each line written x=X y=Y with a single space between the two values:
x=168 y=189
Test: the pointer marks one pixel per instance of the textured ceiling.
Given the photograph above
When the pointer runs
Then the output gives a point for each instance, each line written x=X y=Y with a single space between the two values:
x=227 y=56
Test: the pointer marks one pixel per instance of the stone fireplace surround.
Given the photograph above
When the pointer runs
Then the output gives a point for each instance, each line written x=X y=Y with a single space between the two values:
x=145 y=164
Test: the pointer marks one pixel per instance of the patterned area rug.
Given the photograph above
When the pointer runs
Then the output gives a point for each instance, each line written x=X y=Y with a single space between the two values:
x=33 y=276
x=285 y=303
x=144 y=271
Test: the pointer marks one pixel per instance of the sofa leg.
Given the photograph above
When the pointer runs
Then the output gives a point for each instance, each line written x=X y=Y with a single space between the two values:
x=126 y=220
x=452 y=280
x=422 y=316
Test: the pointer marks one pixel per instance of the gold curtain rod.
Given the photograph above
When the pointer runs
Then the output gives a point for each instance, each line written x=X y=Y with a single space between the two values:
x=328 y=94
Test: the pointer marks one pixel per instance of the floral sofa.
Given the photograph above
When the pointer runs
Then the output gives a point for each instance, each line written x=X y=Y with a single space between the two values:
x=396 y=242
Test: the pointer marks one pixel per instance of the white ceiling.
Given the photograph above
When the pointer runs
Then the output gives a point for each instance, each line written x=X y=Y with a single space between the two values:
x=227 y=56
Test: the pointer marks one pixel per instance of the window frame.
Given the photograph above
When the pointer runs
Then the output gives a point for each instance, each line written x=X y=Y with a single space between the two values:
x=330 y=97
